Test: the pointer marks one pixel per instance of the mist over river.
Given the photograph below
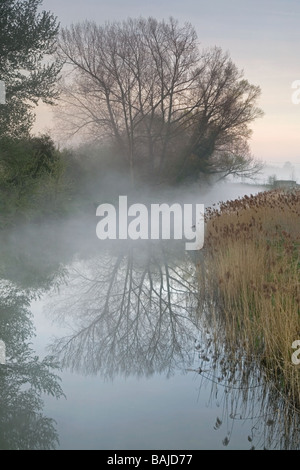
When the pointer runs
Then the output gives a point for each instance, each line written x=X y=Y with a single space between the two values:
x=139 y=369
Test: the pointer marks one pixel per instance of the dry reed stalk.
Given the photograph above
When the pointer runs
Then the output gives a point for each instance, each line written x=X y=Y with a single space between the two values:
x=252 y=271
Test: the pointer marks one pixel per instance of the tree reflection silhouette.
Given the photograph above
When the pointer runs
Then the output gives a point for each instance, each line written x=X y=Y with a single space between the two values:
x=137 y=310
x=132 y=312
x=24 y=378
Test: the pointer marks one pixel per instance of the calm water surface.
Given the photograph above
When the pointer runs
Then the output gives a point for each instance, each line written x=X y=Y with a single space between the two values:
x=139 y=367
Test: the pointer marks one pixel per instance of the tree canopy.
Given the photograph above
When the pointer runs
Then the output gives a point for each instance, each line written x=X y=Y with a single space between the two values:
x=27 y=44
x=172 y=110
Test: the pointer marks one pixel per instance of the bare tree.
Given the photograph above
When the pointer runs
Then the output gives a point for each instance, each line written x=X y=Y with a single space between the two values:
x=146 y=85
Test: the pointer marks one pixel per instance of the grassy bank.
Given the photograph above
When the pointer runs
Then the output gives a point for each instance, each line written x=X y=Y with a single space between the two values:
x=251 y=273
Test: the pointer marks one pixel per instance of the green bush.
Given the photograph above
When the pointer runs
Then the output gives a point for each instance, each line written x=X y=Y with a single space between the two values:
x=33 y=180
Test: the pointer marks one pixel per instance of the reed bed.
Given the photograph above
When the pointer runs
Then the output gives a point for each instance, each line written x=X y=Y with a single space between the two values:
x=251 y=272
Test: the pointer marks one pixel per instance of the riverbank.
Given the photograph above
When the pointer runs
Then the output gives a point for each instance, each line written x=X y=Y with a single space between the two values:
x=251 y=273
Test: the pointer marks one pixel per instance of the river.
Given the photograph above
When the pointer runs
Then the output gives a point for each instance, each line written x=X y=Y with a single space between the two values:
x=139 y=368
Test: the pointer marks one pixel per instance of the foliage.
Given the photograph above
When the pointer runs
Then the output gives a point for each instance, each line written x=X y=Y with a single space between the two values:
x=24 y=378
x=27 y=40
x=33 y=183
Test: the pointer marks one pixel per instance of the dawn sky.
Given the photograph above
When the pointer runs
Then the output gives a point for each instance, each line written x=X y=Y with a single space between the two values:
x=262 y=38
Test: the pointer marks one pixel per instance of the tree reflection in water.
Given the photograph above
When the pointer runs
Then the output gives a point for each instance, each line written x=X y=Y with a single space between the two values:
x=137 y=310
x=24 y=378
x=132 y=312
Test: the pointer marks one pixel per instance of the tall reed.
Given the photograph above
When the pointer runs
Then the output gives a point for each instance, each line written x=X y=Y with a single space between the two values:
x=251 y=272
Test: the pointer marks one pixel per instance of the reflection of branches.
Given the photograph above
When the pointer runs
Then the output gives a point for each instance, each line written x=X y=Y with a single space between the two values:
x=136 y=312
x=23 y=379
x=131 y=313
x=245 y=394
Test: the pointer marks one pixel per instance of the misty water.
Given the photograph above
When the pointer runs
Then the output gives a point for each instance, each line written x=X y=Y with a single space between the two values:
x=139 y=368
